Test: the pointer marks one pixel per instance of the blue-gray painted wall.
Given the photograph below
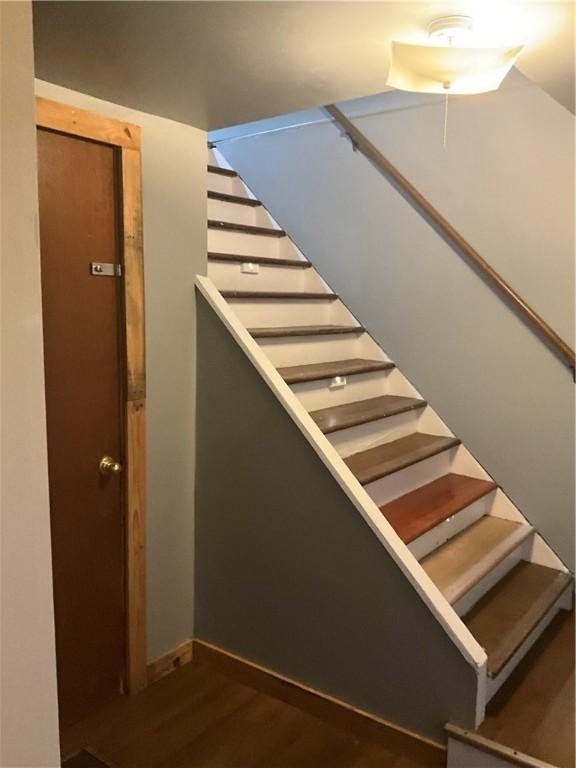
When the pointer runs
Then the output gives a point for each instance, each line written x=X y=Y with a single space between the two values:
x=505 y=180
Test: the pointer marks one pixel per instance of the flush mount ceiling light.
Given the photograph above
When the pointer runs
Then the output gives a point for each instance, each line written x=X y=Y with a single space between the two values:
x=450 y=63
x=450 y=30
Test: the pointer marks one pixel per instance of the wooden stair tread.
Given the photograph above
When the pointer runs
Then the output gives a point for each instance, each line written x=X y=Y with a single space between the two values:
x=419 y=511
x=248 y=229
x=295 y=374
x=383 y=460
x=224 y=197
x=318 y=295
x=363 y=411
x=459 y=564
x=241 y=259
x=304 y=330
x=221 y=171
x=504 y=617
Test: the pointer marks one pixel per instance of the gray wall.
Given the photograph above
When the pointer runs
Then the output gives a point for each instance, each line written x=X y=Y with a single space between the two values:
x=290 y=576
x=29 y=729
x=174 y=197
x=505 y=181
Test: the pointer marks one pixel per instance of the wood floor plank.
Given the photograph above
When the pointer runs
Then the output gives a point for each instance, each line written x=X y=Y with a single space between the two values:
x=460 y=563
x=534 y=710
x=387 y=458
x=504 y=617
x=85 y=759
x=304 y=330
x=363 y=411
x=295 y=374
x=421 y=510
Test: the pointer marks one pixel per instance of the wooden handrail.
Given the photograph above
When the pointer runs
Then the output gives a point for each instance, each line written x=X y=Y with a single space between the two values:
x=359 y=141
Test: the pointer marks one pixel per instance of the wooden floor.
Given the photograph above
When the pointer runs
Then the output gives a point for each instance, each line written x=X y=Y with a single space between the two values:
x=534 y=711
x=198 y=718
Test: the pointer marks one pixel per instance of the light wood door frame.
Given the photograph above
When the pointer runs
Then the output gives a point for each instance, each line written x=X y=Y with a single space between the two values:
x=126 y=138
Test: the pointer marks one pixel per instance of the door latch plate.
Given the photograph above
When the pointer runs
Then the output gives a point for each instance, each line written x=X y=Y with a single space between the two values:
x=101 y=269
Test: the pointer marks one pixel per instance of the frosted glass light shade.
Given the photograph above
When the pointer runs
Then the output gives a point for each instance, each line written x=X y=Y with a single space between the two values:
x=446 y=69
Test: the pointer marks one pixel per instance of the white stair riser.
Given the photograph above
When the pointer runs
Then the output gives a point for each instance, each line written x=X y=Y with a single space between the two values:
x=229 y=276
x=405 y=480
x=541 y=554
x=470 y=598
x=258 y=313
x=222 y=210
x=399 y=385
x=216 y=158
x=365 y=436
x=230 y=185
x=448 y=528
x=317 y=394
x=564 y=602
x=244 y=244
x=299 y=350
x=430 y=423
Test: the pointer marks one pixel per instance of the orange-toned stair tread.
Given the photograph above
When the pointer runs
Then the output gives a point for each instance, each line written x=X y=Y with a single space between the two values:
x=421 y=510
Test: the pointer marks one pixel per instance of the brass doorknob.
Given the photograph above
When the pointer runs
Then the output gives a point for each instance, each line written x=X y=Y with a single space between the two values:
x=109 y=466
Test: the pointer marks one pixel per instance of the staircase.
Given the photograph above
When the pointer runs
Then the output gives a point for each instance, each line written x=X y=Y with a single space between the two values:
x=493 y=581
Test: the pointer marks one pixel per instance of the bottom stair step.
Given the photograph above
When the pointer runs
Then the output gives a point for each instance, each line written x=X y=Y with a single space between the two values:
x=503 y=619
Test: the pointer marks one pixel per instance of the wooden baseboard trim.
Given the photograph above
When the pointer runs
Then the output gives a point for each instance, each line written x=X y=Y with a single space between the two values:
x=175 y=658
x=513 y=756
x=319 y=704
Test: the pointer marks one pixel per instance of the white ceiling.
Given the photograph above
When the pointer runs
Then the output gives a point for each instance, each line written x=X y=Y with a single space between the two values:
x=213 y=64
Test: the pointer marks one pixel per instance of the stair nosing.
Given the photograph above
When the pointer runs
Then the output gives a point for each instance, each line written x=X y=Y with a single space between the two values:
x=248 y=229
x=248 y=295
x=414 y=405
x=243 y=259
x=458 y=507
x=221 y=171
x=224 y=197
x=371 y=366
x=451 y=442
x=318 y=330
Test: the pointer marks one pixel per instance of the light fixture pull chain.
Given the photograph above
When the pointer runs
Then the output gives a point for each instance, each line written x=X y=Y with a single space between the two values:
x=445 y=120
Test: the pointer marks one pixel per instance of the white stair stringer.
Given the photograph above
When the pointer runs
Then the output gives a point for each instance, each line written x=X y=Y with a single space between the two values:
x=463 y=640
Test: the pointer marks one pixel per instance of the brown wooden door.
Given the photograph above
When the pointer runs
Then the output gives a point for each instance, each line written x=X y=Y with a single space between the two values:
x=79 y=197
